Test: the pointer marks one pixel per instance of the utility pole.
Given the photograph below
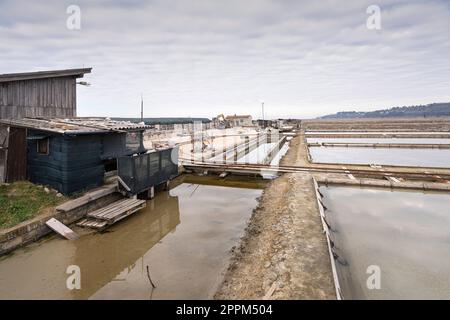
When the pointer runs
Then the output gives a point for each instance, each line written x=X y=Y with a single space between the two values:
x=262 y=107
x=142 y=108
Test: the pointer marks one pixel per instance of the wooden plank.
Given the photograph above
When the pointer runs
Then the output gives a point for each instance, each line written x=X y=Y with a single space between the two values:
x=114 y=206
x=112 y=215
x=115 y=209
x=127 y=213
x=111 y=211
x=62 y=229
x=92 y=223
x=101 y=211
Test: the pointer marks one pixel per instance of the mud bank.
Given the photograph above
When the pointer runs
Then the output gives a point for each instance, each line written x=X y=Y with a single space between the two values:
x=283 y=254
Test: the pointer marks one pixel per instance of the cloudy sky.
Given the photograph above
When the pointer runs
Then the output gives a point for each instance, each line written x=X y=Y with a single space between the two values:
x=205 y=57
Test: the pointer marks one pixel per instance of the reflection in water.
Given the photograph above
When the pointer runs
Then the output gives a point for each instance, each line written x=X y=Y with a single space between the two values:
x=112 y=256
x=383 y=156
x=406 y=234
x=182 y=236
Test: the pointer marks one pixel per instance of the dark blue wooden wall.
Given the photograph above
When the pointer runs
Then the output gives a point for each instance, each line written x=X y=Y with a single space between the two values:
x=73 y=163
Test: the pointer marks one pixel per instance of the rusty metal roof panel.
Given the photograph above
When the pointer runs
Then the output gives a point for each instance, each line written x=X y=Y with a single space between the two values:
x=75 y=126
x=108 y=124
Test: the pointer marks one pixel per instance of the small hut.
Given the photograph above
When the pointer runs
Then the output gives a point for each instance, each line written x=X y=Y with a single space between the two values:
x=69 y=155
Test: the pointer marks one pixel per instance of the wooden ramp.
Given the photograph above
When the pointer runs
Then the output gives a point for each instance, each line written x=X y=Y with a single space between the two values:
x=62 y=229
x=112 y=213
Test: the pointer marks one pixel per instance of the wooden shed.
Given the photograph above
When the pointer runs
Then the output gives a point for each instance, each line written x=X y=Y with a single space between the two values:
x=48 y=94
x=69 y=155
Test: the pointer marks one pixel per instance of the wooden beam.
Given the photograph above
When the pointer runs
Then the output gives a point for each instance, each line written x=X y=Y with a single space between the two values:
x=62 y=229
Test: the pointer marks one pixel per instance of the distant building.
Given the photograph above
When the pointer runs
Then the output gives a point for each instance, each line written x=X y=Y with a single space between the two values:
x=43 y=94
x=239 y=121
x=172 y=124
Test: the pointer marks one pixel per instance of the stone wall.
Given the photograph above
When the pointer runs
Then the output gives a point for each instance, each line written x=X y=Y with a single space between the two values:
x=67 y=213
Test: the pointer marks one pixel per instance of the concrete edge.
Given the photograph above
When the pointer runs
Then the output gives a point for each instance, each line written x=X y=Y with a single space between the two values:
x=412 y=185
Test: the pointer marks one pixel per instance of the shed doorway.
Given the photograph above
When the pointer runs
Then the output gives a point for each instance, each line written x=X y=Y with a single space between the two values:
x=16 y=155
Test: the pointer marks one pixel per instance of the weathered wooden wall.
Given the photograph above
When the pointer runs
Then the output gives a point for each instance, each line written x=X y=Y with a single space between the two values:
x=49 y=98
x=4 y=139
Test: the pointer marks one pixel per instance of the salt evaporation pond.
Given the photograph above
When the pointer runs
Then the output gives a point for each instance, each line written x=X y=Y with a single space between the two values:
x=380 y=140
x=382 y=156
x=405 y=234
x=424 y=133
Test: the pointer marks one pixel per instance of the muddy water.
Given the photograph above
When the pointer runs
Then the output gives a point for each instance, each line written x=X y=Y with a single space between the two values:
x=405 y=234
x=385 y=156
x=183 y=236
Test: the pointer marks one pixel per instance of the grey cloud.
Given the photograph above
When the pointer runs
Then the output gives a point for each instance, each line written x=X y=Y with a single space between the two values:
x=199 y=58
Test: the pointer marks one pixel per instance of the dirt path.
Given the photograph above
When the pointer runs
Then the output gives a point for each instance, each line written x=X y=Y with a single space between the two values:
x=283 y=247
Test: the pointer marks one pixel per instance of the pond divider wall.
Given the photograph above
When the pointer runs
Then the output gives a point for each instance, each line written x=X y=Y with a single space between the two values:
x=380 y=145
x=328 y=237
x=412 y=185
x=274 y=151
x=237 y=151
x=376 y=135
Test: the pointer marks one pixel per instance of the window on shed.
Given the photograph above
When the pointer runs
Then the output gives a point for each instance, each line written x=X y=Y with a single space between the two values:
x=43 y=146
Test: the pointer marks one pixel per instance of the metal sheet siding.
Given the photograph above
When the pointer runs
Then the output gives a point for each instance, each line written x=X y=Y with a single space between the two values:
x=73 y=163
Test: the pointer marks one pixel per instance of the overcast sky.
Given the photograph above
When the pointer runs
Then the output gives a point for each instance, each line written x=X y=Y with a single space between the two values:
x=205 y=57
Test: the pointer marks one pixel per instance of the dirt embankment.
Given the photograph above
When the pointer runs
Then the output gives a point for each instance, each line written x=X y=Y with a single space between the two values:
x=283 y=254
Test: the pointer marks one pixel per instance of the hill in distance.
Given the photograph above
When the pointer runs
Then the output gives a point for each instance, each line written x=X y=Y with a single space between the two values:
x=421 y=111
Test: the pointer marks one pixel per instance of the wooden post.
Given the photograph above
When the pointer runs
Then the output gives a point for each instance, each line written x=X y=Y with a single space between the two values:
x=213 y=151
x=224 y=151
x=235 y=156
x=247 y=148
x=193 y=148
x=151 y=193
x=166 y=185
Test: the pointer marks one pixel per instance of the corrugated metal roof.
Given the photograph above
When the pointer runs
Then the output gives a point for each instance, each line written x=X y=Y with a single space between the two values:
x=75 y=126
x=78 y=73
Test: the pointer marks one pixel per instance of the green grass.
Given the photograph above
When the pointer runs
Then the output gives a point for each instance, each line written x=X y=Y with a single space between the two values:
x=23 y=200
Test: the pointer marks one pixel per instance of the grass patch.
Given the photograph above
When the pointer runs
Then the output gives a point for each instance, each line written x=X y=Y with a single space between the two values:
x=20 y=201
